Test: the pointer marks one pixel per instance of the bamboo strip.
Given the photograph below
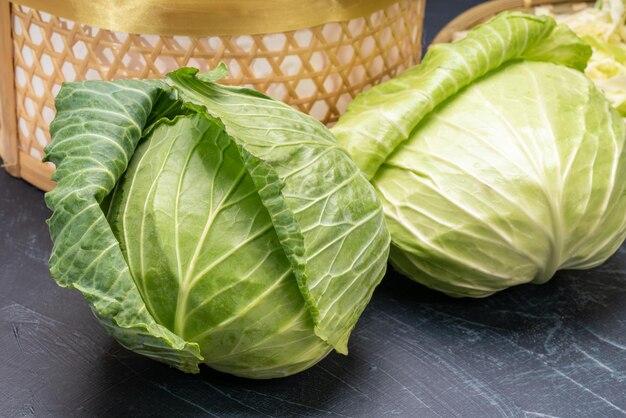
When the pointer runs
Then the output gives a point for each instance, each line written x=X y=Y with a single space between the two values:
x=35 y=172
x=8 y=117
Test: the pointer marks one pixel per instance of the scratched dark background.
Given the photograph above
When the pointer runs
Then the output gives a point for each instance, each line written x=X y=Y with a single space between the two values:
x=534 y=351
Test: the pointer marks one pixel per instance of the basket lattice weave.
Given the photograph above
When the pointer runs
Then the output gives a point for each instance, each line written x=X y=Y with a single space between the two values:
x=318 y=70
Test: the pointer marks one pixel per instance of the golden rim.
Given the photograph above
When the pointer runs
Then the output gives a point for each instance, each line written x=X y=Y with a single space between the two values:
x=206 y=17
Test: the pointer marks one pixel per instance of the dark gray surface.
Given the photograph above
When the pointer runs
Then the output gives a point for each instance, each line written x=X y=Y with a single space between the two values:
x=537 y=351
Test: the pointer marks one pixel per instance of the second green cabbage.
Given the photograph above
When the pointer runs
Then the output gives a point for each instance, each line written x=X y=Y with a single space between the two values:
x=497 y=160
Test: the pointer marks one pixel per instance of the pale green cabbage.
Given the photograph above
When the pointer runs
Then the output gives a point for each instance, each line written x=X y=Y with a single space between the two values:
x=211 y=224
x=497 y=160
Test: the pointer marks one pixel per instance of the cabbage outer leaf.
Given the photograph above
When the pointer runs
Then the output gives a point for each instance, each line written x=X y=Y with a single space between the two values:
x=95 y=132
x=327 y=217
x=380 y=119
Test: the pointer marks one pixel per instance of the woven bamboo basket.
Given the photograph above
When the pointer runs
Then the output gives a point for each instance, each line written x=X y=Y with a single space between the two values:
x=314 y=55
x=487 y=10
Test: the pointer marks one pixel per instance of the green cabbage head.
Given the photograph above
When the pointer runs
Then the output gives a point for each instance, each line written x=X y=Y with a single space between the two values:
x=497 y=161
x=211 y=224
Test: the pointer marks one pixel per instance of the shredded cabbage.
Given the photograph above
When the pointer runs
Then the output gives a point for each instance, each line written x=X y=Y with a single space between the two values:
x=604 y=28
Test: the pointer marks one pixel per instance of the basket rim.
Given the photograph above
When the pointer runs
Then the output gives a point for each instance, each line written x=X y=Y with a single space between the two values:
x=207 y=17
x=477 y=14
